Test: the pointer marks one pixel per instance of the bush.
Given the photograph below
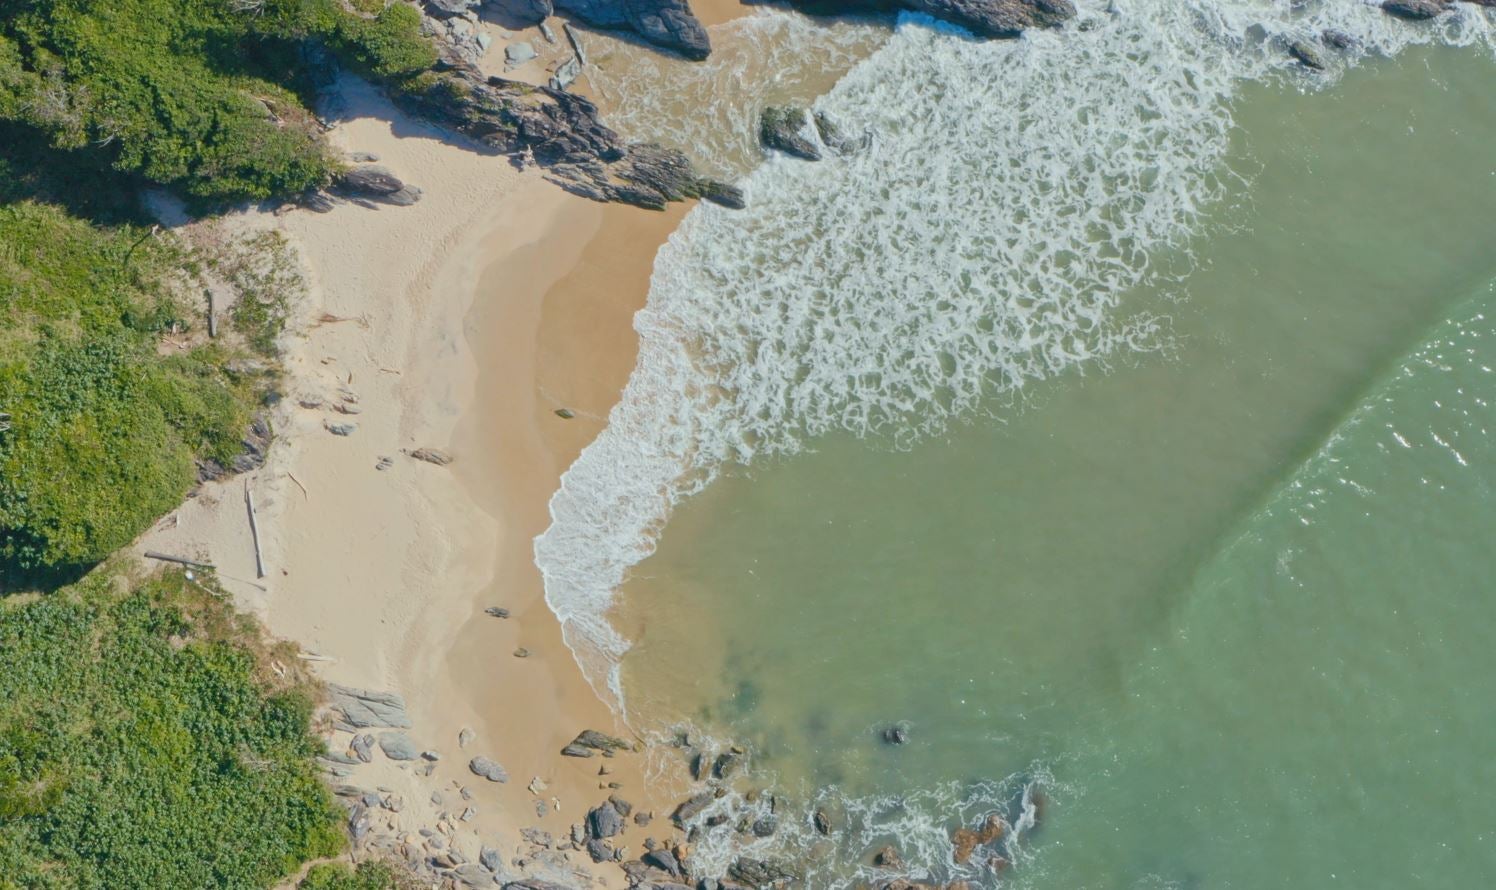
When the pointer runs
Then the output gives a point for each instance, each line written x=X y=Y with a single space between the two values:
x=208 y=97
x=145 y=743
x=368 y=876
x=103 y=430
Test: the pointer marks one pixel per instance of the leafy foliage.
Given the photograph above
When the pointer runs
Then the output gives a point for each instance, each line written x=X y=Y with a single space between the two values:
x=103 y=429
x=205 y=96
x=144 y=743
x=368 y=876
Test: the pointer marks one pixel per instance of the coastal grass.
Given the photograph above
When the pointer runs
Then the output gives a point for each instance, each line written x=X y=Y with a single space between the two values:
x=150 y=737
x=371 y=875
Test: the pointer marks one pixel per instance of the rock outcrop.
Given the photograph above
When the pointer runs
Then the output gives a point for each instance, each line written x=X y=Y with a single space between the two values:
x=560 y=132
x=665 y=23
x=781 y=129
x=995 y=19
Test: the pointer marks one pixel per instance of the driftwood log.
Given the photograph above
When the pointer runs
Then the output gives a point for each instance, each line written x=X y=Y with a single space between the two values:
x=182 y=560
x=254 y=531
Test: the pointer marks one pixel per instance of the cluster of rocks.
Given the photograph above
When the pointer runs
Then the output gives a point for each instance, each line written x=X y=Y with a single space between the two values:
x=254 y=445
x=1419 y=10
x=788 y=129
x=454 y=24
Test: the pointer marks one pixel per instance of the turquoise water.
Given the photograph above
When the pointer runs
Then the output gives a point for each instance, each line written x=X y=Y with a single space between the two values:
x=1220 y=598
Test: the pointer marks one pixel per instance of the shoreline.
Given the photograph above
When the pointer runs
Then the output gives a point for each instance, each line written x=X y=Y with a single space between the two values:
x=439 y=325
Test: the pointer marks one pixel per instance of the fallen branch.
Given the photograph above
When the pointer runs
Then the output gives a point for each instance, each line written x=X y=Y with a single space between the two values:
x=299 y=485
x=182 y=560
x=254 y=531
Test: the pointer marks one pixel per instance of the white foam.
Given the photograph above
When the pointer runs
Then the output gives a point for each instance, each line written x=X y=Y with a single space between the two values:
x=1013 y=191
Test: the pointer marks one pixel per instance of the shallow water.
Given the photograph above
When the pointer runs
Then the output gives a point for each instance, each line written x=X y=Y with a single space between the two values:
x=1224 y=596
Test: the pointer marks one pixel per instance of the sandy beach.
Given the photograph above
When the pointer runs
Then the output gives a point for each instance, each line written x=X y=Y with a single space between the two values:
x=460 y=323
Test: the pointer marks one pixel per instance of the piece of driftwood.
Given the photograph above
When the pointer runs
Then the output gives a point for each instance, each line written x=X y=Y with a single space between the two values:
x=167 y=557
x=212 y=315
x=254 y=531
x=299 y=485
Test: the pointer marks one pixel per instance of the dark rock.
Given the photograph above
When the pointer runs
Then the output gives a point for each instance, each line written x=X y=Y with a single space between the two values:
x=726 y=764
x=701 y=767
x=822 y=823
x=528 y=12
x=896 y=735
x=375 y=183
x=665 y=23
x=761 y=872
x=643 y=818
x=534 y=884
x=496 y=612
x=362 y=708
x=998 y=19
x=604 y=821
x=593 y=741
x=317 y=201
x=665 y=860
x=488 y=769
x=833 y=138
x=623 y=807
x=473 y=875
x=691 y=808
x=599 y=850
x=765 y=827
x=1337 y=40
x=1306 y=55
x=1415 y=9
x=522 y=652
x=565 y=413
x=490 y=858
x=888 y=857
x=779 y=129
x=575 y=750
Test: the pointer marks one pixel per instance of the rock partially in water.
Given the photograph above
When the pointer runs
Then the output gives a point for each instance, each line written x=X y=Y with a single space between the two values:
x=726 y=764
x=1338 y=40
x=1416 y=10
x=1306 y=55
x=966 y=840
x=898 y=734
x=761 y=872
x=691 y=808
x=665 y=23
x=780 y=128
x=889 y=858
x=822 y=823
x=992 y=19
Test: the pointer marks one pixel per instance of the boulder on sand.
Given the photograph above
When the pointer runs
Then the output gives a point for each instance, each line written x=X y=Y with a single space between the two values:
x=665 y=23
x=488 y=769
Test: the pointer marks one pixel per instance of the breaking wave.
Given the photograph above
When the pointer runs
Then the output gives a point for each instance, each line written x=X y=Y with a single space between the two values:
x=1007 y=195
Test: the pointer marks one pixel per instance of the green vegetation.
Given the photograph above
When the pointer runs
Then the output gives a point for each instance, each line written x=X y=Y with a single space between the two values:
x=150 y=739
x=110 y=398
x=207 y=97
x=368 y=876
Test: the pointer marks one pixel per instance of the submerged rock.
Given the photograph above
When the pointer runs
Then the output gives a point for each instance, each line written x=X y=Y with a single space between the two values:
x=1306 y=55
x=761 y=872
x=779 y=129
x=897 y=734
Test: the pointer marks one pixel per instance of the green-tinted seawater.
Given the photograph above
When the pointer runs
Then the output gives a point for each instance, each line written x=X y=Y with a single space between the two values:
x=1232 y=598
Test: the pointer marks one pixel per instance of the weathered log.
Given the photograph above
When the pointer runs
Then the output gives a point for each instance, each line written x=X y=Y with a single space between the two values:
x=254 y=531
x=167 y=557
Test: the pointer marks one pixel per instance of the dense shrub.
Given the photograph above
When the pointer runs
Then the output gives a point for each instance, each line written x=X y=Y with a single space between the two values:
x=146 y=743
x=206 y=96
x=103 y=427
x=368 y=876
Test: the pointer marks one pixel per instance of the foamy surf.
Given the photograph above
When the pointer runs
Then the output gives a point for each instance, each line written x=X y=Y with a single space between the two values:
x=1011 y=194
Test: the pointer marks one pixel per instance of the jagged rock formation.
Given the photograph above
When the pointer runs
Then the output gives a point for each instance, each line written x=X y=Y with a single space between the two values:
x=561 y=133
x=665 y=23
x=779 y=129
x=984 y=18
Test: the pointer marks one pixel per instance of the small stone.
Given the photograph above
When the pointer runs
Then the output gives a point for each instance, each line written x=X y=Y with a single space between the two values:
x=431 y=755
x=436 y=798
x=491 y=859
x=642 y=818
x=888 y=857
x=431 y=456
x=519 y=53
x=363 y=747
x=384 y=463
x=467 y=814
x=464 y=736
x=341 y=429
x=522 y=652
x=363 y=157
x=311 y=403
x=488 y=769
x=565 y=413
x=822 y=823
x=496 y=612
x=536 y=785
x=540 y=809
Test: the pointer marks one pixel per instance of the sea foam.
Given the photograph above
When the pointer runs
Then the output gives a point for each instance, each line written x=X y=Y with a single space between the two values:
x=1009 y=194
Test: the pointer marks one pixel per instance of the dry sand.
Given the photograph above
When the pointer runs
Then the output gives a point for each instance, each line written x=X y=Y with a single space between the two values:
x=459 y=312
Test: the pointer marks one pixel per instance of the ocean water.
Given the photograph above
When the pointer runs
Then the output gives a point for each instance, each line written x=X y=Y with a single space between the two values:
x=1116 y=424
